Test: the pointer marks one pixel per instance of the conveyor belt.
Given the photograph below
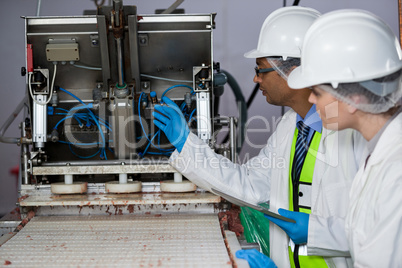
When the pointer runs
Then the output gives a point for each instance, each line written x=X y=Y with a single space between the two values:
x=170 y=240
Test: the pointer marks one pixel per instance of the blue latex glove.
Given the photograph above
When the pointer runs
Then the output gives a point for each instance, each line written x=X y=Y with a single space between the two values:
x=298 y=231
x=172 y=122
x=255 y=258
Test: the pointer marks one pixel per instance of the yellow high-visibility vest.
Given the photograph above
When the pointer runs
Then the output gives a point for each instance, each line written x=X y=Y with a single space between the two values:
x=306 y=178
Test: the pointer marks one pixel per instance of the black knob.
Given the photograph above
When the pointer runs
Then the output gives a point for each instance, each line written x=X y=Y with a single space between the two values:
x=27 y=122
x=204 y=73
x=39 y=77
x=300 y=194
x=217 y=66
x=23 y=71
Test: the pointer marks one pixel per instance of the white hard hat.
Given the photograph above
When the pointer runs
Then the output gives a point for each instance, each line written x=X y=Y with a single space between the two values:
x=283 y=32
x=346 y=46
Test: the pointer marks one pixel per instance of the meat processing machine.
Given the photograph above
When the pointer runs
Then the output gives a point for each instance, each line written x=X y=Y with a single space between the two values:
x=96 y=188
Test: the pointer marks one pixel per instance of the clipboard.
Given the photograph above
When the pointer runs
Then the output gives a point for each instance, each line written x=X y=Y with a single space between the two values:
x=242 y=203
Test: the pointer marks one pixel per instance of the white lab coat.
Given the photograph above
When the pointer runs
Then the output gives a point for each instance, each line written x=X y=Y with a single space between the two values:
x=374 y=220
x=266 y=176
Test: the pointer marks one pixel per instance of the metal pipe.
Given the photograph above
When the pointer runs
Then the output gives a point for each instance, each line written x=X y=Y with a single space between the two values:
x=120 y=62
x=24 y=164
x=24 y=159
x=8 y=122
x=107 y=163
x=222 y=120
x=172 y=7
x=117 y=6
x=38 y=8
x=233 y=146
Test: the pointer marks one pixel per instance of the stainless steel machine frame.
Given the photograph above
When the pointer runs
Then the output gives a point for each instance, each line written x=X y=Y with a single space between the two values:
x=92 y=85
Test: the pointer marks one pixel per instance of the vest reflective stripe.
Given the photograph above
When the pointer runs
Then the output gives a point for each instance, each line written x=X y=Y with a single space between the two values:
x=307 y=172
x=306 y=176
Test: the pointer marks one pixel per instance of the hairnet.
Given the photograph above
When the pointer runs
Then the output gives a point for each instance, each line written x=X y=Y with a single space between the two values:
x=372 y=96
x=283 y=67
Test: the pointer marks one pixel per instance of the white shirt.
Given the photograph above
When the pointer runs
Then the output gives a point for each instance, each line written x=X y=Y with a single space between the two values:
x=374 y=220
x=266 y=177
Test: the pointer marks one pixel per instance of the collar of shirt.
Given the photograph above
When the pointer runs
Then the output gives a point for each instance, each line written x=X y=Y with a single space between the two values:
x=373 y=142
x=313 y=120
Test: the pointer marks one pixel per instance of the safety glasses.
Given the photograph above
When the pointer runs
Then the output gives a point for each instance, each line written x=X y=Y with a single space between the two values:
x=259 y=71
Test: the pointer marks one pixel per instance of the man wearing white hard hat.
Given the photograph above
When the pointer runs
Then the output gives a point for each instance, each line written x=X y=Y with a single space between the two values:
x=352 y=60
x=312 y=181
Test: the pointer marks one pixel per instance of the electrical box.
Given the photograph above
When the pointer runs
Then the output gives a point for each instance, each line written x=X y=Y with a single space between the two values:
x=62 y=52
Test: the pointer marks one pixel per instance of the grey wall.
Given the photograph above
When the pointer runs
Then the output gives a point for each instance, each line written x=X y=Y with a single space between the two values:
x=237 y=28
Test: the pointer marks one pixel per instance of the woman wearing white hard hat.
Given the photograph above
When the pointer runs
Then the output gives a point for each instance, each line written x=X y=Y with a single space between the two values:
x=261 y=180
x=352 y=60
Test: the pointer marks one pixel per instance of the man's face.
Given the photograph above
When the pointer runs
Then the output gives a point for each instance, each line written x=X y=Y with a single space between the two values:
x=273 y=86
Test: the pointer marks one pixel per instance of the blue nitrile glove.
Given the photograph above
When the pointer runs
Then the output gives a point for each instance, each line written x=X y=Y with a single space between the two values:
x=255 y=258
x=298 y=231
x=172 y=122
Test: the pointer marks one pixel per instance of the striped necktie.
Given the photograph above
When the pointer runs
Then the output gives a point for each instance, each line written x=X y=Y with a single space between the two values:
x=300 y=150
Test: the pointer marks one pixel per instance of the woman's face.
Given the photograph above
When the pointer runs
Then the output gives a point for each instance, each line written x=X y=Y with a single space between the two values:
x=333 y=113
